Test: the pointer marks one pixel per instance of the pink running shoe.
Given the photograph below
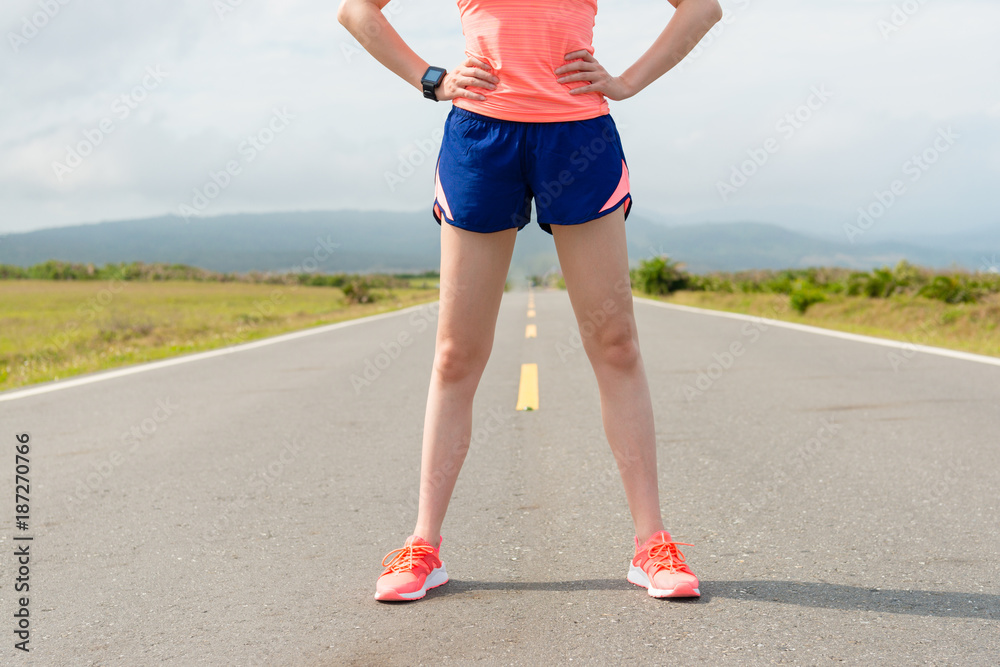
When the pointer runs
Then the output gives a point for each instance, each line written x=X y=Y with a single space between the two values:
x=659 y=567
x=411 y=571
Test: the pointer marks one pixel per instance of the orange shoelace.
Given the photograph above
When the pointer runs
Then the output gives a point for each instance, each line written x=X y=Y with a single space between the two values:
x=666 y=556
x=405 y=558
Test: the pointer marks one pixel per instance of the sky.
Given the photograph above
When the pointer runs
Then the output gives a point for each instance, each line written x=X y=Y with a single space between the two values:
x=799 y=113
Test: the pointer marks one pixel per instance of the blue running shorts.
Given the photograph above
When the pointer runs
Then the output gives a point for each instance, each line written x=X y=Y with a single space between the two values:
x=489 y=170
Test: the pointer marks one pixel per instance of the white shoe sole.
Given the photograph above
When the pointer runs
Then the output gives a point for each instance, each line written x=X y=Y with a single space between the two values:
x=437 y=577
x=637 y=576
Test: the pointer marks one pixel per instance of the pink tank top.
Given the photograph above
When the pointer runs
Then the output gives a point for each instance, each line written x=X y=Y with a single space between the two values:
x=524 y=41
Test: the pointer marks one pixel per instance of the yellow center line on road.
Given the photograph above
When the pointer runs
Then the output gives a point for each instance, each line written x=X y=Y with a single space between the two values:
x=527 y=394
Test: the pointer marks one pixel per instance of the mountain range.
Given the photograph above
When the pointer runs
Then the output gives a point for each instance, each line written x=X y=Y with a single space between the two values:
x=373 y=241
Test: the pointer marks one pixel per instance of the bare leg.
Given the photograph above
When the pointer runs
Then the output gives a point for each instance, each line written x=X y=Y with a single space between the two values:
x=474 y=268
x=594 y=263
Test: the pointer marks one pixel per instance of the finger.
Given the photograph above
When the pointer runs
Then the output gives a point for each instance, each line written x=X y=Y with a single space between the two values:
x=475 y=62
x=583 y=53
x=579 y=76
x=479 y=83
x=584 y=89
x=480 y=74
x=462 y=92
x=578 y=65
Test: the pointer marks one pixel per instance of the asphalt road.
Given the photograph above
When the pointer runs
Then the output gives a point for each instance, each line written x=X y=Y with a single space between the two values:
x=841 y=498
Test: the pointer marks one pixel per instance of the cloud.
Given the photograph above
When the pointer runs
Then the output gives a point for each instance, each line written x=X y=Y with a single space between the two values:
x=355 y=122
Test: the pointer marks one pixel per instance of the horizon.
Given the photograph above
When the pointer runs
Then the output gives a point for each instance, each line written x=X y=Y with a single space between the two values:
x=651 y=216
x=704 y=247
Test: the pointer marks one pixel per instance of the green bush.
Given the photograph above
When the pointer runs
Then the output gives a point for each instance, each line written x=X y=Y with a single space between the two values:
x=710 y=283
x=660 y=275
x=807 y=286
x=908 y=276
x=358 y=291
x=950 y=289
x=855 y=283
x=781 y=283
x=803 y=295
x=59 y=270
x=11 y=272
x=749 y=286
x=880 y=284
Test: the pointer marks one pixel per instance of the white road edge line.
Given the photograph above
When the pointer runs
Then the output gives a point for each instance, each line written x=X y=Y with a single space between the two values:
x=56 y=385
x=858 y=338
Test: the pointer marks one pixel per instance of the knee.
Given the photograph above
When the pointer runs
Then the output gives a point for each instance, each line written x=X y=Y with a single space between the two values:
x=455 y=362
x=616 y=344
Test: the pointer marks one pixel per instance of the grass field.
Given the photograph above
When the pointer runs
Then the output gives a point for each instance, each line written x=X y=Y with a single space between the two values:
x=967 y=327
x=55 y=329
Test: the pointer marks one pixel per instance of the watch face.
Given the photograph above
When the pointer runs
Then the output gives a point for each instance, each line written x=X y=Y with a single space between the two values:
x=434 y=76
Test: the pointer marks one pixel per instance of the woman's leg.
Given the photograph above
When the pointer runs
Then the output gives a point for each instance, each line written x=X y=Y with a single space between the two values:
x=594 y=263
x=474 y=268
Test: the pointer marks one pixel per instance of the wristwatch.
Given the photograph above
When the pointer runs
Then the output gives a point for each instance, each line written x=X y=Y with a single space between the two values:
x=432 y=79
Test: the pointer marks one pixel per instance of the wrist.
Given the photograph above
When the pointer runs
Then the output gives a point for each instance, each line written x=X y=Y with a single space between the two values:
x=629 y=87
x=417 y=74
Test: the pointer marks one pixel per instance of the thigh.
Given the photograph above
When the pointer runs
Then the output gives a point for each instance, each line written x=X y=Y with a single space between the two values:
x=474 y=268
x=594 y=261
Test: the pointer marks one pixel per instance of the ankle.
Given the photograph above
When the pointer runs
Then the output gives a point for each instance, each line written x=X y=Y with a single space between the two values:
x=647 y=533
x=432 y=537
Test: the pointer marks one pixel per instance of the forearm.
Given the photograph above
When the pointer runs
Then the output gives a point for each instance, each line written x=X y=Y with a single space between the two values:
x=687 y=26
x=364 y=20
